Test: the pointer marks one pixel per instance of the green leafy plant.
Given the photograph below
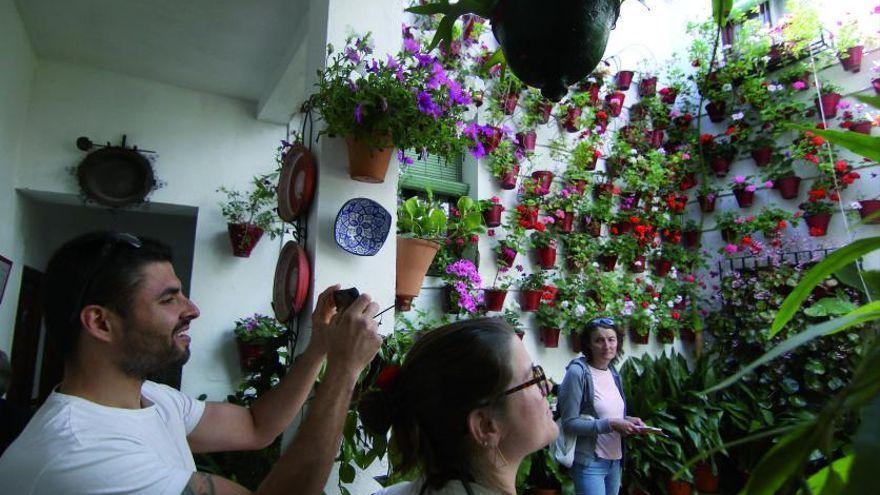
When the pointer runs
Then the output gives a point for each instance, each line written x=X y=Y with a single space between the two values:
x=256 y=207
x=420 y=218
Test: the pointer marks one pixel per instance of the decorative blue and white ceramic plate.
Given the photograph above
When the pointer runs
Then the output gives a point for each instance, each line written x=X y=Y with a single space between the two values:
x=362 y=226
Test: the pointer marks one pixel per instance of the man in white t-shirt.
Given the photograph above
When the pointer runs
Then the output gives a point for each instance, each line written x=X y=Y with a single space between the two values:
x=115 y=308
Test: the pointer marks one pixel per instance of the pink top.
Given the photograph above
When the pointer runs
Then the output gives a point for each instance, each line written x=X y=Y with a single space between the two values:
x=608 y=404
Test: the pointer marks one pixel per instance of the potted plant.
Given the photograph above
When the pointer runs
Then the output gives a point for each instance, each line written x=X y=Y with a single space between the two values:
x=513 y=319
x=495 y=295
x=250 y=214
x=856 y=118
x=782 y=177
x=420 y=224
x=504 y=163
x=743 y=191
x=817 y=215
x=613 y=249
x=505 y=92
x=531 y=289
x=849 y=48
x=254 y=335
x=491 y=209
x=462 y=291
x=544 y=243
x=536 y=109
x=763 y=147
x=707 y=195
x=585 y=154
x=719 y=151
x=868 y=210
x=394 y=103
x=829 y=98
x=507 y=249
x=580 y=249
x=549 y=317
x=691 y=235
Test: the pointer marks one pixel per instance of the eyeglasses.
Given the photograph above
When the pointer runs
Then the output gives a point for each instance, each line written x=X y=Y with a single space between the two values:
x=538 y=377
x=112 y=241
x=608 y=322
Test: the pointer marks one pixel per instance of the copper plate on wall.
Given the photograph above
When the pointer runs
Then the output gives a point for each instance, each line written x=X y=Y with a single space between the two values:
x=116 y=177
x=292 y=278
x=296 y=183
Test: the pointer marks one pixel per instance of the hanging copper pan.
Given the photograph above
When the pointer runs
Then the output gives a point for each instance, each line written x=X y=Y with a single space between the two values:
x=296 y=183
x=292 y=278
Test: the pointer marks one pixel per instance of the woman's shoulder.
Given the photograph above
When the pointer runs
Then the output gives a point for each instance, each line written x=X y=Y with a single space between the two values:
x=576 y=366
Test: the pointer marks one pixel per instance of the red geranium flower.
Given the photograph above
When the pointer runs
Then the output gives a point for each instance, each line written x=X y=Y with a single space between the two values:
x=387 y=377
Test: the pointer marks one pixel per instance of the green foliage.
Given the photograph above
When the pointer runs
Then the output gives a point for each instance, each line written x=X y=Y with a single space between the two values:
x=258 y=328
x=257 y=206
x=420 y=218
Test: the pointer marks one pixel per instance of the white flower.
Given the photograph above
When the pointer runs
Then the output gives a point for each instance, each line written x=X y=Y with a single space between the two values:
x=565 y=304
x=638 y=263
x=737 y=116
x=595 y=264
x=855 y=205
x=726 y=87
x=580 y=309
x=771 y=88
x=678 y=299
x=670 y=304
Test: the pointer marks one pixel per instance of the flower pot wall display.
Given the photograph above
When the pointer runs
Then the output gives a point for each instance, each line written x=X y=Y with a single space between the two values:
x=414 y=256
x=243 y=237
x=367 y=163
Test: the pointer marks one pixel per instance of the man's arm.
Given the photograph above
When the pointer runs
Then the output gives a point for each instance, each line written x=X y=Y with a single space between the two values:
x=225 y=426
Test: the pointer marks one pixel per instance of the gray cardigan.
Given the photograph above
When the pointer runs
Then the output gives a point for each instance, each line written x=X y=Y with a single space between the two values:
x=576 y=399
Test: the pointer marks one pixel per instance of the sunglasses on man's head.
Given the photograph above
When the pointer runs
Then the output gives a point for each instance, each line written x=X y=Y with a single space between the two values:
x=110 y=244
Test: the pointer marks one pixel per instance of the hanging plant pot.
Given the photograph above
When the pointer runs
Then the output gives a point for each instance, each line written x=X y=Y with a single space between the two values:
x=705 y=480
x=853 y=61
x=670 y=236
x=720 y=165
x=621 y=228
x=567 y=224
x=674 y=487
x=614 y=101
x=492 y=139
x=637 y=338
x=762 y=156
x=550 y=337
x=494 y=299
x=365 y=163
x=580 y=32
x=691 y=239
x=580 y=185
x=506 y=257
x=593 y=226
x=662 y=267
x=570 y=122
x=876 y=84
x=648 y=87
x=665 y=336
x=243 y=237
x=593 y=90
x=607 y=262
x=717 y=111
x=668 y=95
x=744 y=197
x=603 y=188
x=544 y=109
x=862 y=127
x=868 y=208
x=829 y=104
x=449 y=306
x=508 y=180
x=788 y=186
x=492 y=216
x=544 y=178
x=655 y=138
x=689 y=181
x=637 y=265
x=624 y=79
x=818 y=223
x=707 y=202
x=527 y=140
x=530 y=299
x=414 y=256
x=508 y=103
x=547 y=256
x=249 y=354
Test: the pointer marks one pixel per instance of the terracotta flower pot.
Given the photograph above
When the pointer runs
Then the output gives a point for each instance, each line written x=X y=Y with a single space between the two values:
x=624 y=79
x=615 y=102
x=674 y=487
x=636 y=338
x=788 y=186
x=492 y=216
x=547 y=256
x=527 y=140
x=508 y=103
x=544 y=110
x=691 y=239
x=662 y=267
x=567 y=223
x=853 y=60
x=243 y=237
x=365 y=163
x=508 y=180
x=249 y=354
x=414 y=256
x=762 y=156
x=705 y=480
x=648 y=87
x=717 y=111
x=862 y=127
x=550 y=337
x=818 y=223
x=530 y=299
x=720 y=165
x=744 y=197
x=544 y=178
x=570 y=121
x=494 y=299
x=607 y=262
x=876 y=84
x=707 y=202
x=637 y=265
x=829 y=104
x=868 y=208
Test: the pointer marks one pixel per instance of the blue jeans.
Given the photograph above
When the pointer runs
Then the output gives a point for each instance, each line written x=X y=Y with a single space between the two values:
x=600 y=477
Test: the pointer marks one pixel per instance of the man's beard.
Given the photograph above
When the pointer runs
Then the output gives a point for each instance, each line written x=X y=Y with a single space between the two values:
x=145 y=353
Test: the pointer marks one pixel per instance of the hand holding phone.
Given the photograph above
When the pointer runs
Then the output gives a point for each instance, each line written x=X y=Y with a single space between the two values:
x=651 y=430
x=344 y=297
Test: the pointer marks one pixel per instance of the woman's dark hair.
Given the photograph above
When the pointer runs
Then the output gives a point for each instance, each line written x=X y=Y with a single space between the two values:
x=594 y=325
x=95 y=268
x=448 y=373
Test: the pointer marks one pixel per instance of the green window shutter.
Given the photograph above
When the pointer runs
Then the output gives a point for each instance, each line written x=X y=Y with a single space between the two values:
x=441 y=176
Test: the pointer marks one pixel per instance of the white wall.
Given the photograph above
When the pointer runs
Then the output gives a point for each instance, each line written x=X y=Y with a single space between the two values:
x=17 y=61
x=203 y=141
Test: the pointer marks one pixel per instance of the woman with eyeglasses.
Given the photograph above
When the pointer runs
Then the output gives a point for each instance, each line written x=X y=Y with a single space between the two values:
x=592 y=407
x=467 y=406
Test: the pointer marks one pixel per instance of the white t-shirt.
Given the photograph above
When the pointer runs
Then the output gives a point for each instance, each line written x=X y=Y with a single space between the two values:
x=74 y=446
x=451 y=488
x=608 y=404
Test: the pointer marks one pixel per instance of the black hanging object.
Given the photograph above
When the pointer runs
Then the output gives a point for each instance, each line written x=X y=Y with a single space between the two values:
x=114 y=176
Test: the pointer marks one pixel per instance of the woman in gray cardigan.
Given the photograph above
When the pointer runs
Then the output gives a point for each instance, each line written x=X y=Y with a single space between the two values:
x=592 y=407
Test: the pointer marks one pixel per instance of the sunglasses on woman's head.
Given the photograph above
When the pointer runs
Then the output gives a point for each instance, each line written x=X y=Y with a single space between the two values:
x=538 y=377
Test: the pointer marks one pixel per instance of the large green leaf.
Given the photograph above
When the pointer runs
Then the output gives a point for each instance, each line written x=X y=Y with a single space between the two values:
x=850 y=276
x=451 y=12
x=721 y=11
x=867 y=312
x=864 y=145
x=785 y=460
x=830 y=479
x=866 y=444
x=830 y=306
x=832 y=263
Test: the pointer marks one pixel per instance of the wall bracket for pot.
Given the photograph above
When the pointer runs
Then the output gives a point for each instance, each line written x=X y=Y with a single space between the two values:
x=115 y=176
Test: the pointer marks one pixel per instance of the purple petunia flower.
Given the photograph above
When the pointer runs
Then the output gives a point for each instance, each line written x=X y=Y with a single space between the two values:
x=424 y=59
x=411 y=45
x=352 y=55
x=456 y=94
x=427 y=106
x=359 y=113
x=403 y=159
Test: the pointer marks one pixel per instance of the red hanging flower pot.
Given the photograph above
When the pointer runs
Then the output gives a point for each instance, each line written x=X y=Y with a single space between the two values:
x=668 y=95
x=655 y=138
x=615 y=102
x=670 y=236
x=637 y=338
x=506 y=257
x=665 y=336
x=527 y=140
x=674 y=487
x=492 y=216
x=868 y=208
x=788 y=186
x=624 y=79
x=829 y=104
x=818 y=223
x=530 y=299
x=243 y=237
x=717 y=111
x=744 y=197
x=707 y=202
x=508 y=103
x=547 y=256
x=648 y=87
x=762 y=156
x=662 y=267
x=853 y=61
x=691 y=239
x=508 y=180
x=567 y=223
x=688 y=181
x=579 y=185
x=862 y=127
x=544 y=178
x=621 y=228
x=593 y=90
x=249 y=354
x=637 y=265
x=570 y=121
x=608 y=262
x=550 y=337
x=494 y=299
x=705 y=480
x=599 y=189
x=544 y=110
x=720 y=165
